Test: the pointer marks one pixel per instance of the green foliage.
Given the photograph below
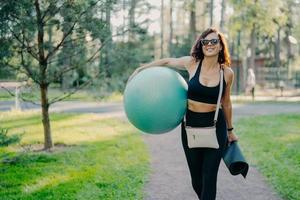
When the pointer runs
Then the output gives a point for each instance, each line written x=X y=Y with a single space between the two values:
x=266 y=19
x=62 y=22
x=182 y=47
x=272 y=143
x=6 y=140
x=116 y=57
x=260 y=12
x=124 y=59
x=6 y=73
x=86 y=51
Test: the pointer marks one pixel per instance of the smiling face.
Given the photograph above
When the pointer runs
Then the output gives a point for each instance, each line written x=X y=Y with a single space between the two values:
x=211 y=45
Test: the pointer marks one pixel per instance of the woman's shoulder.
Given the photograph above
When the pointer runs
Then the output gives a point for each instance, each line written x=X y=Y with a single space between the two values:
x=227 y=70
x=190 y=62
x=228 y=73
x=190 y=59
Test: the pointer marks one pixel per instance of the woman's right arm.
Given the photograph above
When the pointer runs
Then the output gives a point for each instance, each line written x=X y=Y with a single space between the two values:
x=182 y=63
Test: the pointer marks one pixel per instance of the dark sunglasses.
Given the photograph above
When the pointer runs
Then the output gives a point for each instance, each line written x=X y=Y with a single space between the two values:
x=212 y=41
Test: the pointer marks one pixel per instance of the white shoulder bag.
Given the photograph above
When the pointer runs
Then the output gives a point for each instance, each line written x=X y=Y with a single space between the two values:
x=198 y=137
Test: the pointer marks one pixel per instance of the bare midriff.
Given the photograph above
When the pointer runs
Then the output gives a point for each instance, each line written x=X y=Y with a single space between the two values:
x=196 y=106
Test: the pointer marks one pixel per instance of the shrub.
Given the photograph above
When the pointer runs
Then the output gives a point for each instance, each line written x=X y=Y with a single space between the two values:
x=6 y=140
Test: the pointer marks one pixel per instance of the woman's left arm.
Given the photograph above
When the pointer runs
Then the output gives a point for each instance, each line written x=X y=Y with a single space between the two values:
x=226 y=103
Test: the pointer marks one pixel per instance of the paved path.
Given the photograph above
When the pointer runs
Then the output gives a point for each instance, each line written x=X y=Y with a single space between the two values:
x=170 y=179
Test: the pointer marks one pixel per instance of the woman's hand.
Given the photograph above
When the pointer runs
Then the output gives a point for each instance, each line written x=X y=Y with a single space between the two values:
x=232 y=137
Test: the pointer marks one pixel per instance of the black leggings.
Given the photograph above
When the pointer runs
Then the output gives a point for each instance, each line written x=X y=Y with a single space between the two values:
x=204 y=162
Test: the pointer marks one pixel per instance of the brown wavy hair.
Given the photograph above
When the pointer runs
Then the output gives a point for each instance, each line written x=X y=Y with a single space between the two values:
x=197 y=53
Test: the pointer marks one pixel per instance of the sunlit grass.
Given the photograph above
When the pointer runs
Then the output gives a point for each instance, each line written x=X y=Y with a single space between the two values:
x=101 y=158
x=272 y=143
x=66 y=128
x=113 y=97
x=81 y=95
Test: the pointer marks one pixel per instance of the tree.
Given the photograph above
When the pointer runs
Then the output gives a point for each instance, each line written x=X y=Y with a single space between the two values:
x=211 y=12
x=192 y=30
x=223 y=9
x=254 y=19
x=171 y=28
x=27 y=28
x=162 y=29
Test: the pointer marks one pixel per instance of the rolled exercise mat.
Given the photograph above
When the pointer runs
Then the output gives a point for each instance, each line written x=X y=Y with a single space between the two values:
x=235 y=160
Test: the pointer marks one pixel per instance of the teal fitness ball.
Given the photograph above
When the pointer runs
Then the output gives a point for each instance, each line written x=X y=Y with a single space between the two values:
x=155 y=100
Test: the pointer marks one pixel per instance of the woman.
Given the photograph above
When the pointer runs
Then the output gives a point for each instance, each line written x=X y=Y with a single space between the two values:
x=208 y=56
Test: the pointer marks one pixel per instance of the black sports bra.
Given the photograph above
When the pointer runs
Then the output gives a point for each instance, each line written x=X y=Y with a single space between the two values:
x=202 y=93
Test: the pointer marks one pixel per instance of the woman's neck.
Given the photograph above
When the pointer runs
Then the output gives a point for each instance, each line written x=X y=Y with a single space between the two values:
x=210 y=62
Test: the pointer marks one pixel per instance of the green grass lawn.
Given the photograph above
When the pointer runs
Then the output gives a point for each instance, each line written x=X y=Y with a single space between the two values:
x=94 y=158
x=272 y=144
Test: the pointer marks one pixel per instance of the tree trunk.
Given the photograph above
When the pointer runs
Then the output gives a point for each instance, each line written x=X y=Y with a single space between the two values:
x=253 y=47
x=124 y=21
x=289 y=54
x=45 y=117
x=222 y=22
x=132 y=19
x=108 y=45
x=211 y=13
x=171 y=28
x=277 y=57
x=277 y=49
x=193 y=21
x=162 y=30
x=43 y=79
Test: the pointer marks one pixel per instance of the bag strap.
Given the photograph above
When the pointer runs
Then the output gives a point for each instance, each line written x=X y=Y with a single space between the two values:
x=219 y=99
